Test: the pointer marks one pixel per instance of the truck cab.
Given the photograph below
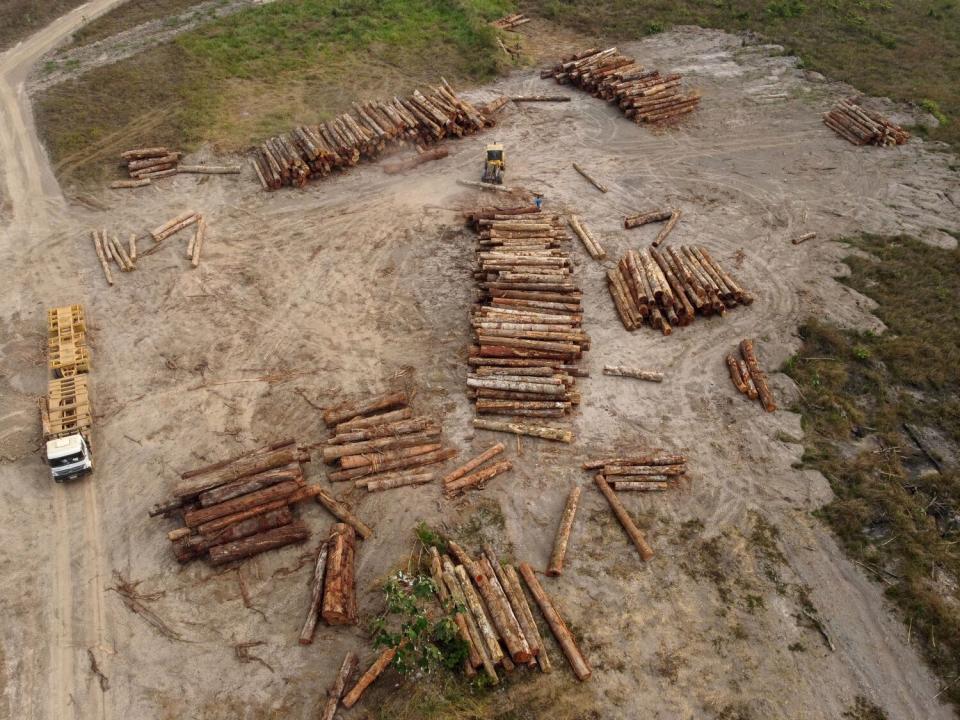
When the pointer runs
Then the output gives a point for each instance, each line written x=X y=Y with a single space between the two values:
x=68 y=457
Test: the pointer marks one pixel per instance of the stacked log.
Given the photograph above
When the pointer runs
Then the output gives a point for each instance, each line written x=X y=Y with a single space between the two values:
x=860 y=126
x=240 y=507
x=476 y=472
x=379 y=444
x=666 y=288
x=749 y=378
x=645 y=96
x=144 y=165
x=527 y=324
x=311 y=152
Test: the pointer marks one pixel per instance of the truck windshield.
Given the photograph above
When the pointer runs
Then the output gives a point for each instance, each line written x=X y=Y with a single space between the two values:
x=67 y=460
x=495 y=155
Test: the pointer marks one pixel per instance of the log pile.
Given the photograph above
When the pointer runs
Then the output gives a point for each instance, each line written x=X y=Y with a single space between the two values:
x=860 y=126
x=144 y=165
x=239 y=507
x=645 y=96
x=664 y=288
x=314 y=151
x=527 y=324
x=749 y=378
x=379 y=444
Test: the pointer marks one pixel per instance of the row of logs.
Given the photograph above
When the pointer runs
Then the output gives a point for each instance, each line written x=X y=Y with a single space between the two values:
x=860 y=126
x=670 y=287
x=749 y=378
x=476 y=472
x=314 y=151
x=644 y=95
x=379 y=444
x=527 y=323
x=333 y=592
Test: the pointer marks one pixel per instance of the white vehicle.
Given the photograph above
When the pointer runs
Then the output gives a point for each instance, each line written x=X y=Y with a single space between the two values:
x=68 y=457
x=66 y=417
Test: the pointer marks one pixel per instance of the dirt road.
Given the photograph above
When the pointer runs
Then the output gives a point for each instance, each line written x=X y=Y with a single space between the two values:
x=346 y=284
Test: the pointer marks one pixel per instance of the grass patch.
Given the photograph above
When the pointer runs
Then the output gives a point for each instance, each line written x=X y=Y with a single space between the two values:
x=857 y=391
x=235 y=80
x=129 y=15
x=21 y=18
x=903 y=50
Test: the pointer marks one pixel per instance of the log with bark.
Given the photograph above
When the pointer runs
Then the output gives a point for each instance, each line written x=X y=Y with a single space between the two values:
x=621 y=371
x=477 y=478
x=620 y=512
x=756 y=376
x=563 y=533
x=255 y=544
x=339 y=606
x=592 y=180
x=374 y=671
x=860 y=126
x=347 y=668
x=349 y=410
x=316 y=596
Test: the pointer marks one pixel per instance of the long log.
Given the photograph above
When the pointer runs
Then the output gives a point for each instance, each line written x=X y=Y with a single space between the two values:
x=339 y=606
x=757 y=375
x=500 y=614
x=147 y=152
x=101 y=256
x=385 y=418
x=122 y=184
x=621 y=371
x=473 y=463
x=375 y=485
x=430 y=458
x=483 y=622
x=633 y=532
x=541 y=98
x=589 y=242
x=539 y=431
x=374 y=460
x=210 y=169
x=347 y=668
x=648 y=485
x=249 y=465
x=592 y=180
x=175 y=225
x=348 y=410
x=332 y=452
x=510 y=615
x=249 y=501
x=193 y=546
x=379 y=665
x=748 y=380
x=255 y=544
x=516 y=602
x=342 y=513
x=529 y=623
x=476 y=638
x=215 y=526
x=230 y=461
x=391 y=429
x=198 y=239
x=563 y=533
x=644 y=470
x=250 y=484
x=478 y=478
x=316 y=596
x=633 y=221
x=579 y=664
x=734 y=367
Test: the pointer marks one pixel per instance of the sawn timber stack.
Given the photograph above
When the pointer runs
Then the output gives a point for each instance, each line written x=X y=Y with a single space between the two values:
x=645 y=96
x=527 y=325
x=310 y=152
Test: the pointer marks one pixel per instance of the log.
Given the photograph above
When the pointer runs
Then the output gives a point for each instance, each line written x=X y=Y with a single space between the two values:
x=133 y=248
x=379 y=665
x=342 y=513
x=539 y=431
x=621 y=371
x=230 y=461
x=255 y=544
x=633 y=221
x=101 y=256
x=475 y=462
x=501 y=615
x=416 y=161
x=541 y=98
x=649 y=485
x=757 y=375
x=503 y=602
x=748 y=380
x=593 y=247
x=210 y=169
x=198 y=242
x=633 y=532
x=119 y=253
x=644 y=470
x=563 y=533
x=193 y=546
x=516 y=601
x=175 y=225
x=377 y=484
x=339 y=606
x=240 y=468
x=316 y=596
x=385 y=418
x=430 y=458
x=240 y=504
x=530 y=628
x=735 y=374
x=477 y=643
x=487 y=186
x=122 y=184
x=484 y=625
x=392 y=429
x=375 y=460
x=803 y=238
x=579 y=664
x=592 y=180
x=332 y=452
x=347 y=668
x=494 y=383
x=215 y=526
x=476 y=479
x=250 y=484
x=349 y=410
x=668 y=228
x=168 y=159
x=141 y=153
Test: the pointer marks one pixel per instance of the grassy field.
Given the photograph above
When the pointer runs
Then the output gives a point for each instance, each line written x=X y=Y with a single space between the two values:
x=237 y=79
x=904 y=50
x=128 y=15
x=858 y=390
x=20 y=18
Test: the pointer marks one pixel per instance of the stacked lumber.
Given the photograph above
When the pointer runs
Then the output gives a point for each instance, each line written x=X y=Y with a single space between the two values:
x=239 y=507
x=333 y=593
x=749 y=378
x=860 y=126
x=645 y=96
x=508 y=22
x=379 y=444
x=527 y=324
x=314 y=151
x=67 y=341
x=147 y=164
x=670 y=287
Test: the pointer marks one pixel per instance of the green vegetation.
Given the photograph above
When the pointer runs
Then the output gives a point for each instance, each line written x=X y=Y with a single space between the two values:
x=857 y=391
x=903 y=50
x=129 y=15
x=21 y=18
x=238 y=79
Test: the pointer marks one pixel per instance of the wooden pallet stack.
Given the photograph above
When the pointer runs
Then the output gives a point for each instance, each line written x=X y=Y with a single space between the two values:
x=527 y=324
x=669 y=287
x=645 y=96
x=240 y=507
x=749 y=378
x=379 y=444
x=860 y=126
x=67 y=341
x=314 y=151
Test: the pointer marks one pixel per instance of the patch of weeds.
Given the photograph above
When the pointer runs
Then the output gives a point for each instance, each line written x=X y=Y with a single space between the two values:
x=933 y=107
x=786 y=9
x=668 y=663
x=754 y=603
x=735 y=711
x=430 y=537
x=796 y=647
x=486 y=516
x=863 y=709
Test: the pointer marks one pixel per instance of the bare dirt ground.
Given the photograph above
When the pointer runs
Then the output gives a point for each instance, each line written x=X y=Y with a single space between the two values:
x=304 y=297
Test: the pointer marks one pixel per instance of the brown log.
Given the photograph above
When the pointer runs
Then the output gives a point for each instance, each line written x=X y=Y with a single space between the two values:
x=748 y=380
x=633 y=532
x=494 y=383
x=430 y=458
x=503 y=601
x=377 y=484
x=375 y=460
x=668 y=228
x=210 y=169
x=133 y=248
x=339 y=605
x=349 y=410
x=477 y=643
x=385 y=418
x=215 y=526
x=527 y=620
x=316 y=596
x=240 y=504
x=121 y=184
x=347 y=668
x=803 y=238
x=101 y=256
x=735 y=374
x=757 y=375
x=478 y=478
x=539 y=431
x=168 y=159
x=589 y=242
x=579 y=664
x=739 y=293
x=644 y=470
x=230 y=461
x=141 y=153
x=633 y=221
x=342 y=513
x=484 y=625
x=517 y=602
x=197 y=242
x=541 y=98
x=649 y=485
x=250 y=484
x=502 y=616
x=593 y=181
x=174 y=226
x=332 y=452
x=255 y=544
x=563 y=533
x=379 y=665
x=475 y=462
x=391 y=429
x=192 y=546
x=416 y=161
x=621 y=371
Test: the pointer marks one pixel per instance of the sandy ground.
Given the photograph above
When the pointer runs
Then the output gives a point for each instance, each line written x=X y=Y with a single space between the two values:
x=364 y=280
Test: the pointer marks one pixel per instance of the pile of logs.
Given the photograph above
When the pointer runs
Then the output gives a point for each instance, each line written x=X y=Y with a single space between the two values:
x=240 y=507
x=749 y=378
x=333 y=593
x=527 y=323
x=645 y=96
x=144 y=165
x=378 y=443
x=314 y=151
x=860 y=126
x=110 y=249
x=667 y=288
x=471 y=475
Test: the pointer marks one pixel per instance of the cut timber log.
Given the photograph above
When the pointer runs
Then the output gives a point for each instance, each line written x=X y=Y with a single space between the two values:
x=385 y=418
x=735 y=374
x=633 y=532
x=339 y=605
x=347 y=668
x=592 y=180
x=476 y=638
x=516 y=601
x=586 y=237
x=487 y=186
x=190 y=547
x=377 y=484
x=375 y=670
x=220 y=464
x=174 y=225
x=400 y=427
x=416 y=161
x=621 y=371
x=476 y=462
x=142 y=153
x=375 y=460
x=633 y=221
x=500 y=613
x=483 y=623
x=646 y=459
x=198 y=239
x=381 y=444
x=649 y=485
x=478 y=478
x=255 y=544
x=527 y=620
x=579 y=664
x=101 y=256
x=668 y=228
x=122 y=184
x=342 y=513
x=195 y=518
x=541 y=98
x=803 y=238
x=563 y=533
x=210 y=169
x=316 y=597
x=644 y=470
x=757 y=375
x=430 y=458
x=215 y=526
x=538 y=431
x=252 y=483
x=349 y=410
